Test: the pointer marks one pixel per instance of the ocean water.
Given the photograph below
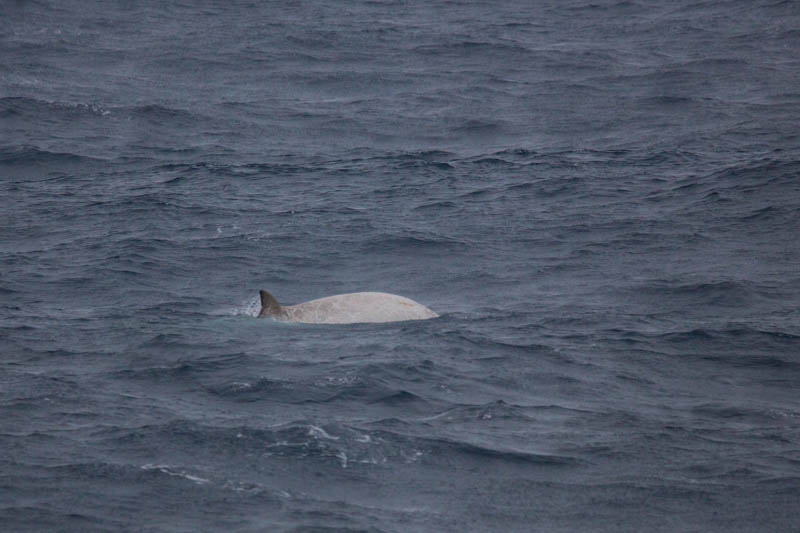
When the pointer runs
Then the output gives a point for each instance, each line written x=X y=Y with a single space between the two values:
x=601 y=200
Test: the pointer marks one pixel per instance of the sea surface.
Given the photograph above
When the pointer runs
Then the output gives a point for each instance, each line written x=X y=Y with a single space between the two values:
x=601 y=200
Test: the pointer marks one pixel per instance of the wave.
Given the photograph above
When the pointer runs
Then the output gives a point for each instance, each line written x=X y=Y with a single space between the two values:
x=419 y=155
x=437 y=206
x=724 y=293
x=471 y=48
x=28 y=155
x=753 y=347
x=32 y=109
x=493 y=162
x=496 y=410
x=331 y=443
x=740 y=332
x=728 y=411
x=162 y=113
x=412 y=242
x=364 y=388
x=773 y=169
x=478 y=127
x=482 y=452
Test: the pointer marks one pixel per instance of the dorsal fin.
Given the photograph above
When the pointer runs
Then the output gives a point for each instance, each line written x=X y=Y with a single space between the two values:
x=269 y=305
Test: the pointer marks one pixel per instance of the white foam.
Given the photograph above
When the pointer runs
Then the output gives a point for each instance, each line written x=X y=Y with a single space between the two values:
x=169 y=470
x=318 y=432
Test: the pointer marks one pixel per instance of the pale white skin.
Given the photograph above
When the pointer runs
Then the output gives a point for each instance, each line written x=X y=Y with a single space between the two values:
x=356 y=307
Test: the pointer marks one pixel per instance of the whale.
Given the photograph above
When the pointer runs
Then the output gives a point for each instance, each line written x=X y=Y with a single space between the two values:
x=351 y=308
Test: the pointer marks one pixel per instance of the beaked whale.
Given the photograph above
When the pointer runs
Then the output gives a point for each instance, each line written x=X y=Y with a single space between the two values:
x=347 y=309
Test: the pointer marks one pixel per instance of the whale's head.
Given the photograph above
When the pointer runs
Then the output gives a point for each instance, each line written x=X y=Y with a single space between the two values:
x=269 y=305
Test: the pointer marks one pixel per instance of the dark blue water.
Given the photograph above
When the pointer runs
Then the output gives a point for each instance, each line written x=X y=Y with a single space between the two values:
x=602 y=200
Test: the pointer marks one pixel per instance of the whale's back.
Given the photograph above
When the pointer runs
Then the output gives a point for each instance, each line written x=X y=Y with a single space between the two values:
x=357 y=307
